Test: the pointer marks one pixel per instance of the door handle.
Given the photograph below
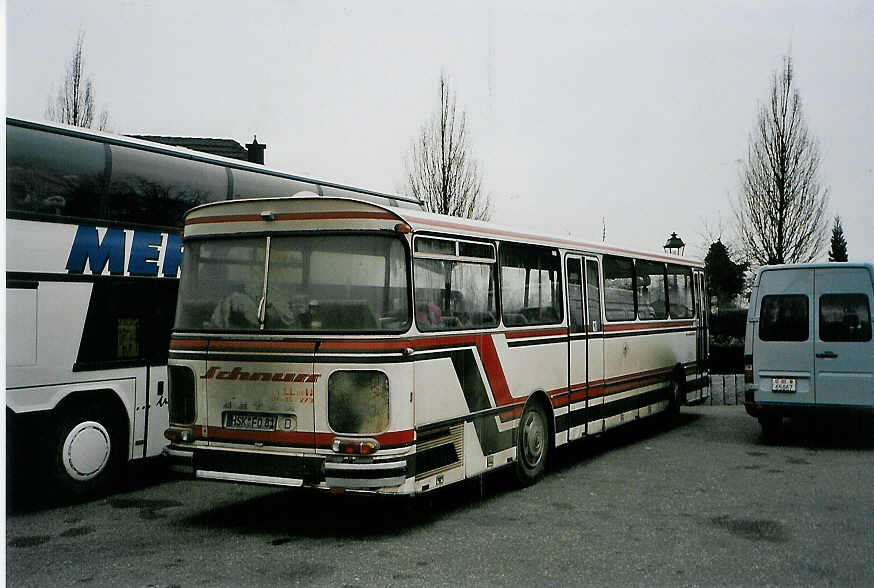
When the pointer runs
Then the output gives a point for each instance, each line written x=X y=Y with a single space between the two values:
x=827 y=355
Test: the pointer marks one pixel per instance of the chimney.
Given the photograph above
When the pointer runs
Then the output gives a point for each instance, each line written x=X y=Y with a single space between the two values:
x=256 y=151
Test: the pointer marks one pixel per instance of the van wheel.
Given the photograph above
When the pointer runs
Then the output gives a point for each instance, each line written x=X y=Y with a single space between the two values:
x=771 y=425
x=532 y=445
x=88 y=452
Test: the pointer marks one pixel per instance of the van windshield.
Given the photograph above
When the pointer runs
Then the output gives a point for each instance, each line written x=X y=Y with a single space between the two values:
x=332 y=283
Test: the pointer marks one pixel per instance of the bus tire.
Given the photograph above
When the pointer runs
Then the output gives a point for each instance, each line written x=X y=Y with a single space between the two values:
x=532 y=444
x=89 y=452
x=677 y=393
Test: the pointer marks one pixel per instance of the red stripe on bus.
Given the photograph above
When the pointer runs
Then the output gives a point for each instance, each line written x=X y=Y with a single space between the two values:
x=296 y=216
x=535 y=333
x=643 y=326
x=299 y=346
x=189 y=344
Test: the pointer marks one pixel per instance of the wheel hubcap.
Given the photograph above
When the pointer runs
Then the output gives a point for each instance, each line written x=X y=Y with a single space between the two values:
x=85 y=452
x=533 y=440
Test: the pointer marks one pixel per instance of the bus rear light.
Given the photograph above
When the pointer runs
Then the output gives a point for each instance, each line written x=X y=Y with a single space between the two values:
x=179 y=435
x=355 y=446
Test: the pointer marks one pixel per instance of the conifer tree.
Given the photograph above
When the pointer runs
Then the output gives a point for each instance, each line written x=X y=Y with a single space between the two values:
x=838 y=249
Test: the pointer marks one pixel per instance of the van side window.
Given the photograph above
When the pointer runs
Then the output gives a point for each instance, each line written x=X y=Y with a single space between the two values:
x=784 y=317
x=844 y=317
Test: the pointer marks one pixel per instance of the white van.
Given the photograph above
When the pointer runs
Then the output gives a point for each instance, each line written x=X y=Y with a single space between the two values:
x=808 y=341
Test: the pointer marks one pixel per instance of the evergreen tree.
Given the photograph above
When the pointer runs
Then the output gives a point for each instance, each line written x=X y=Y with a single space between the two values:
x=725 y=277
x=838 y=249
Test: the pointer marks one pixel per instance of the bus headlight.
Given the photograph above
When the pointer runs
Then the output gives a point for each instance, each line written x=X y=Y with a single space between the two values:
x=180 y=382
x=358 y=401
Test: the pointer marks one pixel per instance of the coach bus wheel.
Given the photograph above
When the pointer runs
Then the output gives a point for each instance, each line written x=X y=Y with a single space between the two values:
x=676 y=396
x=88 y=452
x=532 y=444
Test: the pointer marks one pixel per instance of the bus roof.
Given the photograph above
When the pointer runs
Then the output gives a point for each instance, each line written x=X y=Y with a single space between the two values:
x=322 y=187
x=418 y=221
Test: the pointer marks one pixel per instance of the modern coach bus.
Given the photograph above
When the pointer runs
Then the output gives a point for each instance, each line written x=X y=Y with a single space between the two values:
x=340 y=344
x=93 y=254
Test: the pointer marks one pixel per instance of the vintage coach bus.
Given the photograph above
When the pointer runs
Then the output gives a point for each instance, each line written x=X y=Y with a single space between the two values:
x=340 y=344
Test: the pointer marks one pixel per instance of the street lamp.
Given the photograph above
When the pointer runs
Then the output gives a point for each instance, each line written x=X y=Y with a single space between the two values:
x=674 y=245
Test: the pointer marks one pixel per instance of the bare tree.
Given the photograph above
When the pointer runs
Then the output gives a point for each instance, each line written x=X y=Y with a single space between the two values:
x=781 y=209
x=74 y=103
x=440 y=170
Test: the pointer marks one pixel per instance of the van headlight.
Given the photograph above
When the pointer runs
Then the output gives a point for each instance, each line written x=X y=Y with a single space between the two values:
x=358 y=401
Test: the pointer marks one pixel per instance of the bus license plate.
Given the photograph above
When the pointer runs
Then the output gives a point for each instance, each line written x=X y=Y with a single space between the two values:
x=250 y=421
x=783 y=385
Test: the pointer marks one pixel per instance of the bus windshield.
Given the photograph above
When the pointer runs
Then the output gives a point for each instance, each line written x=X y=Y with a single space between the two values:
x=334 y=283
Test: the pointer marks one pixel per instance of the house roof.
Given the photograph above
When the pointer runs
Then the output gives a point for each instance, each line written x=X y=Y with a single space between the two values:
x=222 y=147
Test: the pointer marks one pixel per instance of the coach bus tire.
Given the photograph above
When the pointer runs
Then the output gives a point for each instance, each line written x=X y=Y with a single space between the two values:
x=88 y=453
x=532 y=444
x=677 y=394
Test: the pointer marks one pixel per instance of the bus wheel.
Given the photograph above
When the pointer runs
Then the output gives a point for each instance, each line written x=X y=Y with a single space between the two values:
x=88 y=453
x=676 y=395
x=532 y=444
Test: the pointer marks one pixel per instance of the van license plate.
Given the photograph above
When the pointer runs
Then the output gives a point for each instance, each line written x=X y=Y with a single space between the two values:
x=783 y=385
x=250 y=421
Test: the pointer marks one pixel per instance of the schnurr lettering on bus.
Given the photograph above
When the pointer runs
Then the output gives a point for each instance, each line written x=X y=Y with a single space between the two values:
x=143 y=250
x=236 y=373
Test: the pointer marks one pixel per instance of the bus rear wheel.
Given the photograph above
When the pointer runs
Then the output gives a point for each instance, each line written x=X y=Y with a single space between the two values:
x=532 y=445
x=88 y=453
x=677 y=394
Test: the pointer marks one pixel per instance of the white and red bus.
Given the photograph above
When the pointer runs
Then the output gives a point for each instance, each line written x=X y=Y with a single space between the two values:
x=340 y=344
x=93 y=253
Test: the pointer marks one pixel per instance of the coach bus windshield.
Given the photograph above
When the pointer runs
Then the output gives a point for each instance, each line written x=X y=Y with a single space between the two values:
x=335 y=283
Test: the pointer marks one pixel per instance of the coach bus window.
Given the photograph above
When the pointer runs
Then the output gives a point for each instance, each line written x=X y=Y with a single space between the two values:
x=54 y=175
x=844 y=317
x=454 y=284
x=127 y=323
x=784 y=317
x=651 y=294
x=530 y=285
x=172 y=186
x=250 y=184
x=222 y=284
x=618 y=289
x=337 y=283
x=680 y=291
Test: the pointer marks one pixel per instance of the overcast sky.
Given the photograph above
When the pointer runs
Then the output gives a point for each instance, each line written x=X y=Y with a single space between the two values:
x=638 y=113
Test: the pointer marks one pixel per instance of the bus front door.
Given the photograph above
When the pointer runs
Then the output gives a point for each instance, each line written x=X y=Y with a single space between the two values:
x=595 y=348
x=577 y=349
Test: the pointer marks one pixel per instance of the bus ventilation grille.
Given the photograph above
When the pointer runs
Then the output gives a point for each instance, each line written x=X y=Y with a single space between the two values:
x=440 y=451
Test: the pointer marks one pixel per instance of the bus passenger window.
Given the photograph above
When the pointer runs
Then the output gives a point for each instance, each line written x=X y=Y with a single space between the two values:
x=618 y=289
x=530 y=285
x=651 y=295
x=454 y=285
x=680 y=300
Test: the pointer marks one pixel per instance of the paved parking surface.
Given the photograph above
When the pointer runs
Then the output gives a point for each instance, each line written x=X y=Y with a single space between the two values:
x=700 y=502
